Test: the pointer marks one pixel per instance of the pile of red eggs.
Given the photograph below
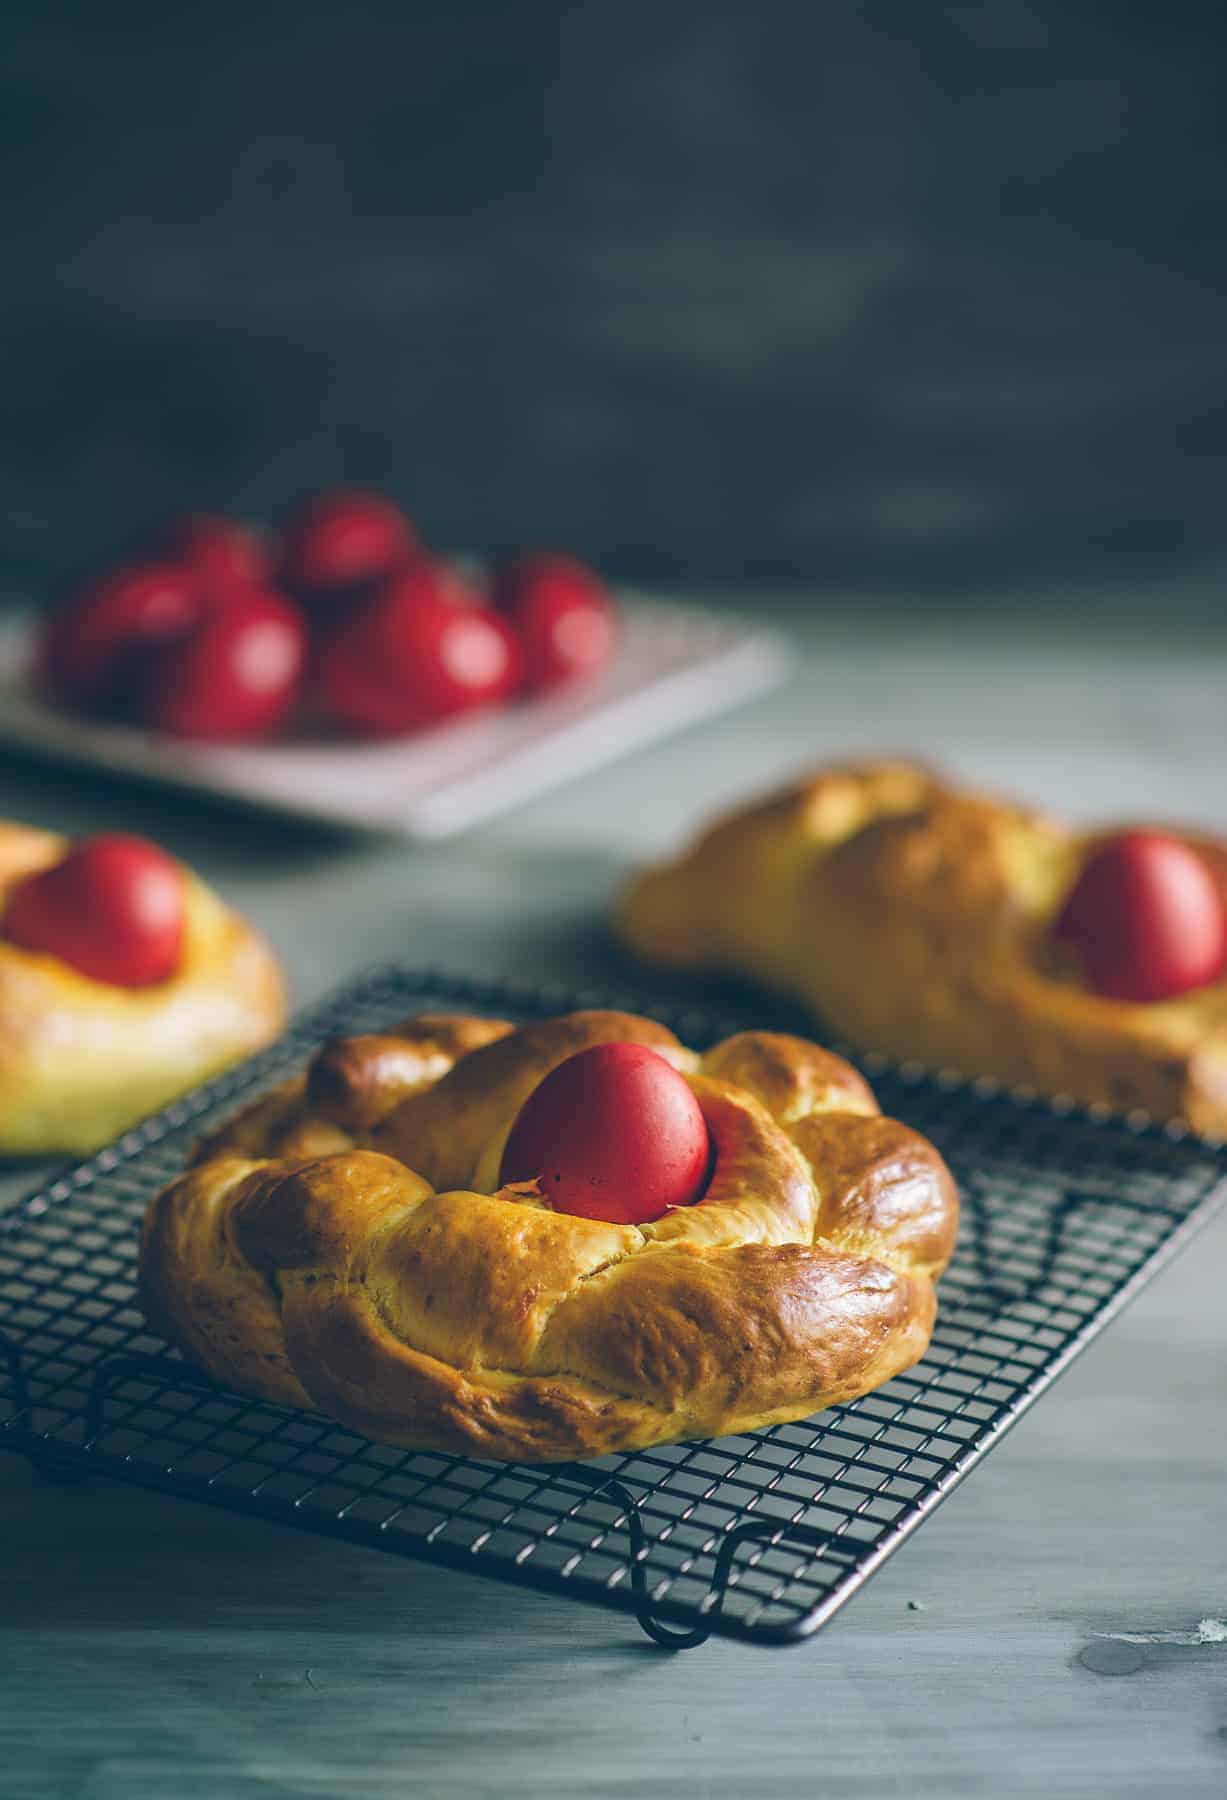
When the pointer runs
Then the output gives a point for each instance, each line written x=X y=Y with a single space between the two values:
x=343 y=619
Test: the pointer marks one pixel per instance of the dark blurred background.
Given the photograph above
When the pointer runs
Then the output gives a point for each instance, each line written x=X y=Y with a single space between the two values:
x=894 y=293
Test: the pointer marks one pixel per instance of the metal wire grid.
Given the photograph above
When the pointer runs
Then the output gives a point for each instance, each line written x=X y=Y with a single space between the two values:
x=759 y=1537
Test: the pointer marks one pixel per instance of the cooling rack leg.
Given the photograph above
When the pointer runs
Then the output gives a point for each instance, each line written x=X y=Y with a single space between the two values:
x=754 y=1531
x=758 y=1532
x=668 y=1637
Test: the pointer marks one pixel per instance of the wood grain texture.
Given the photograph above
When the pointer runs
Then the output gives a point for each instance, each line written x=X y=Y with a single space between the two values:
x=151 y=1649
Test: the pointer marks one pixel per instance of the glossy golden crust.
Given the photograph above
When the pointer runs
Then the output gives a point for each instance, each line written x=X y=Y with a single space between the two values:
x=915 y=918
x=388 y=1281
x=350 y=1087
x=81 y=1060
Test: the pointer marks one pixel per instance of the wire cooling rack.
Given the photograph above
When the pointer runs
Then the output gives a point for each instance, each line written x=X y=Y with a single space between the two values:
x=762 y=1536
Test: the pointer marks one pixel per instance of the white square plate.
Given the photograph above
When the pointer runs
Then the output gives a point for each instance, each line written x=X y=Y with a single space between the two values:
x=674 y=666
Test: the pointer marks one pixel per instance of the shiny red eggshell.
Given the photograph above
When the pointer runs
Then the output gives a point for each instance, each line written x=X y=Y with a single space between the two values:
x=91 y=645
x=613 y=1133
x=235 y=677
x=563 y=613
x=221 y=552
x=1146 y=919
x=419 y=651
x=341 y=539
x=113 y=909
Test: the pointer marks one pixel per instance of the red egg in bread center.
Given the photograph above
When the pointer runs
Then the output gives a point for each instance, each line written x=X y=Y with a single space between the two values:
x=113 y=908
x=612 y=1133
x=1146 y=919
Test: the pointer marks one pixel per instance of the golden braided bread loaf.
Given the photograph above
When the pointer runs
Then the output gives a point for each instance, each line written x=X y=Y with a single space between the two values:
x=916 y=919
x=344 y=1246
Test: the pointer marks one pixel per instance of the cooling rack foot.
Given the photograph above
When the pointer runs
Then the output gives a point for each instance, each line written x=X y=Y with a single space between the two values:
x=752 y=1534
x=669 y=1637
x=666 y=1637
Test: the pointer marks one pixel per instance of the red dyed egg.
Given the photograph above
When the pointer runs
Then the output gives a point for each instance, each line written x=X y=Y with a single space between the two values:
x=341 y=539
x=414 y=654
x=93 y=647
x=113 y=909
x=612 y=1133
x=1146 y=919
x=219 y=551
x=563 y=613
x=235 y=677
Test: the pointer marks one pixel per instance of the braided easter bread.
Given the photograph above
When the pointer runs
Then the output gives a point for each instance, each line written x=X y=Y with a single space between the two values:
x=345 y=1246
x=80 y=1059
x=916 y=919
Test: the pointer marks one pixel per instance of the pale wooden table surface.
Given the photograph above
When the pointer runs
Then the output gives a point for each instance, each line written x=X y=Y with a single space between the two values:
x=150 y=1648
